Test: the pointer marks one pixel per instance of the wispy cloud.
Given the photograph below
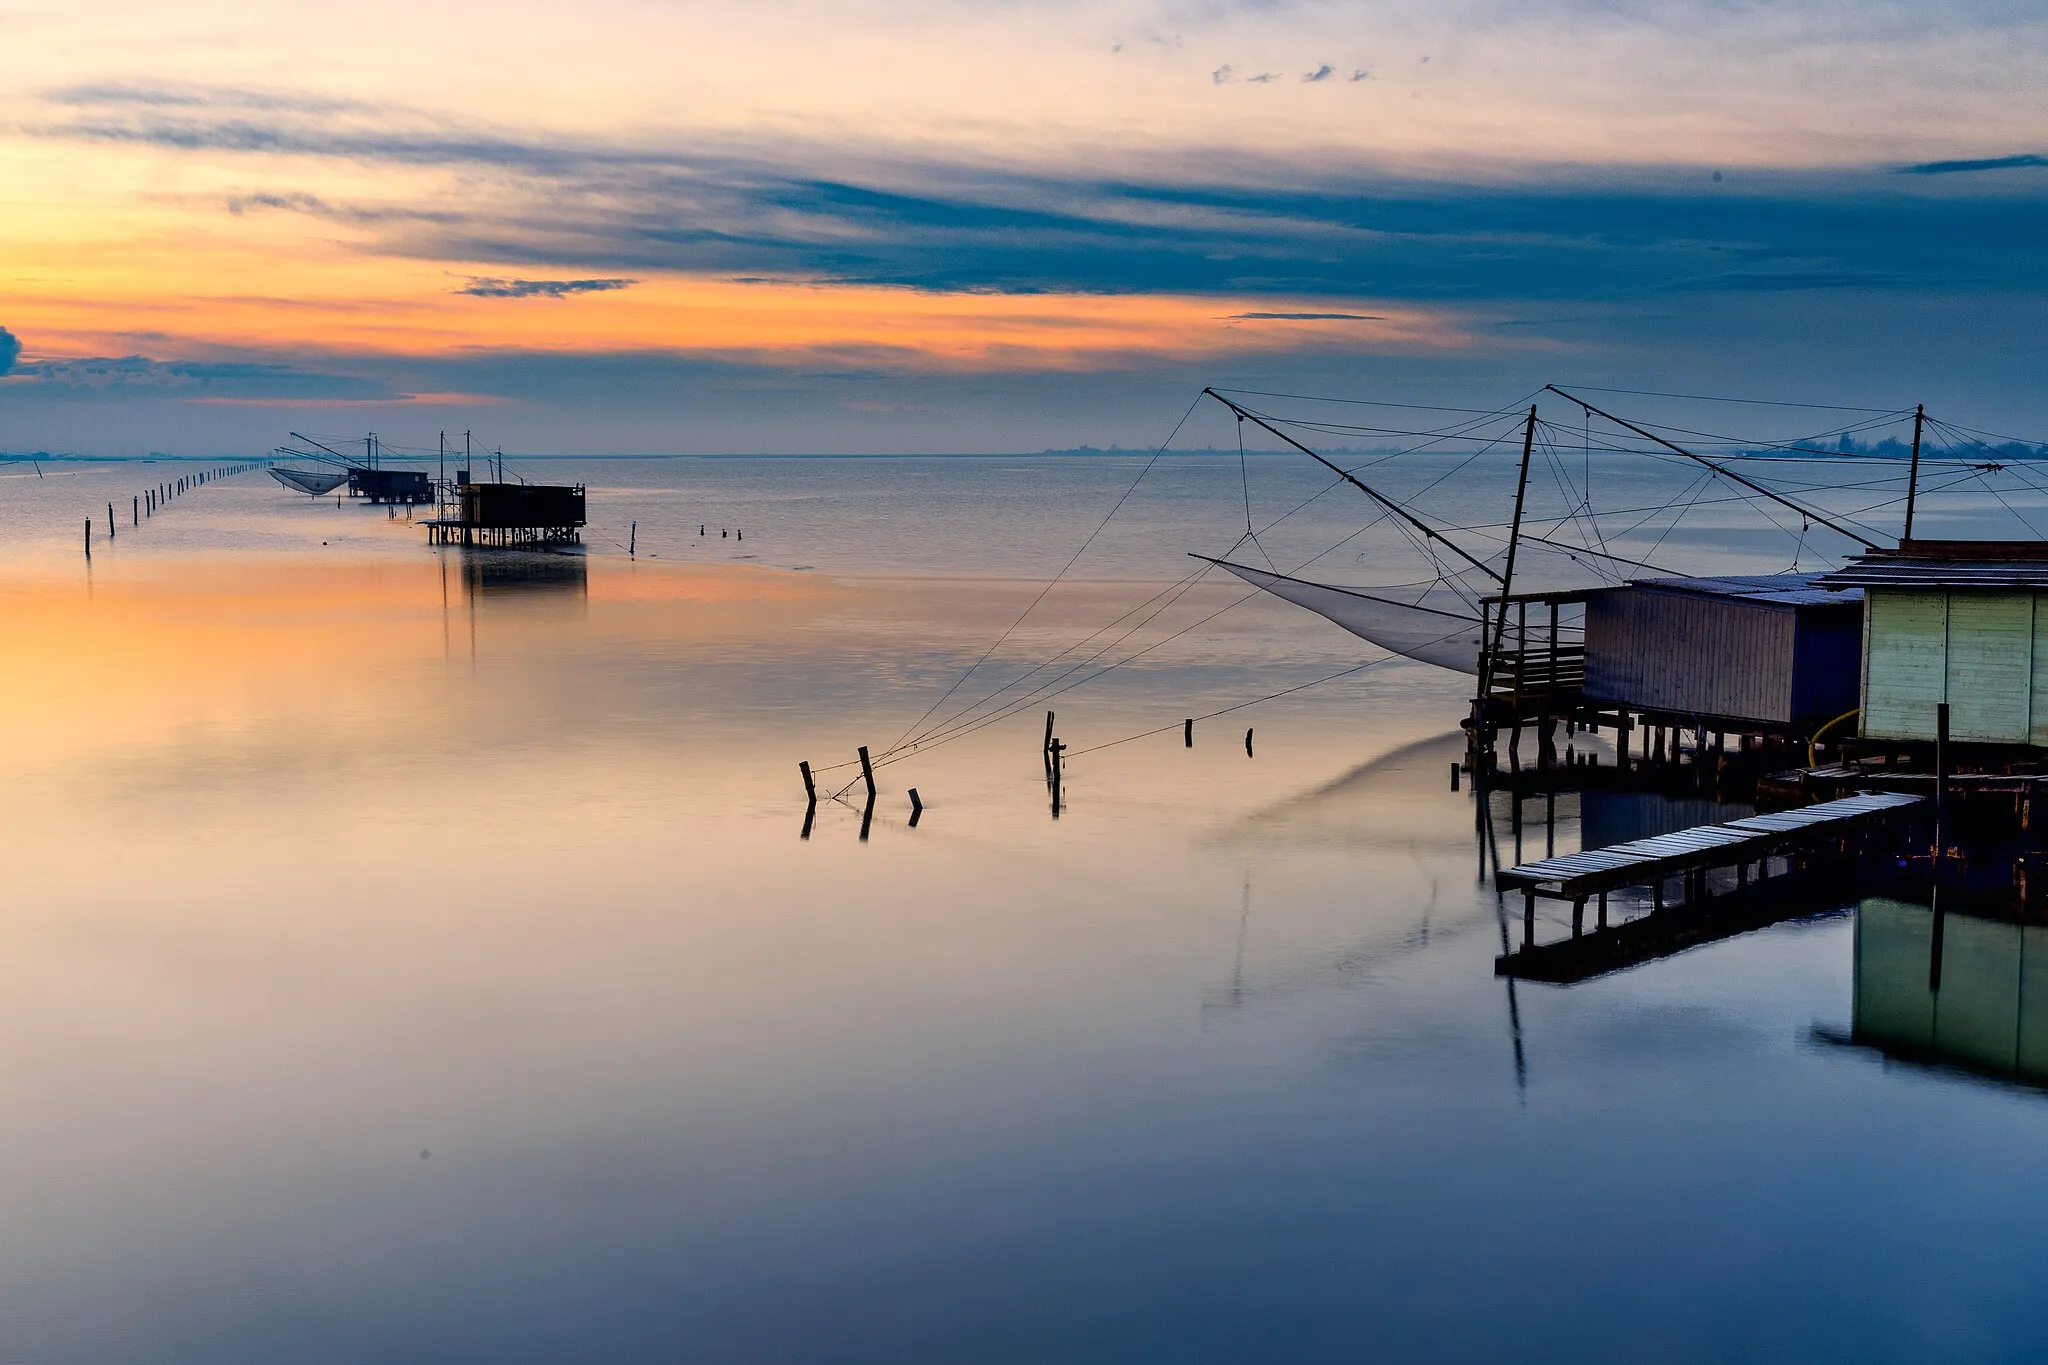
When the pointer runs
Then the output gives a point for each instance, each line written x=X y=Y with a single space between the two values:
x=105 y=94
x=1306 y=317
x=488 y=288
x=1321 y=73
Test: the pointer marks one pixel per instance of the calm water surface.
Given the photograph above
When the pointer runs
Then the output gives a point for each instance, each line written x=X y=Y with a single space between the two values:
x=416 y=958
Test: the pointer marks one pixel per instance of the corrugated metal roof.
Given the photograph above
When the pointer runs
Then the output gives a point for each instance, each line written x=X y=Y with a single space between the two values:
x=1780 y=589
x=1871 y=571
x=1947 y=564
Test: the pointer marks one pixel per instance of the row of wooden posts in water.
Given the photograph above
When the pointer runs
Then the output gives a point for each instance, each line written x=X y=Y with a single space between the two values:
x=146 y=503
x=867 y=815
x=1053 y=750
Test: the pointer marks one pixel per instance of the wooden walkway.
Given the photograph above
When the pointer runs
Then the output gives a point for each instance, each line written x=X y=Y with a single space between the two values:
x=1691 y=853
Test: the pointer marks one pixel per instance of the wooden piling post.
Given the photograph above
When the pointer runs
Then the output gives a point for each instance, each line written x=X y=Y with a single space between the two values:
x=1057 y=750
x=1528 y=918
x=632 y=539
x=110 y=521
x=1603 y=910
x=916 y=808
x=1941 y=764
x=136 y=510
x=810 y=784
x=1247 y=743
x=88 y=539
x=1187 y=732
x=867 y=771
x=1046 y=748
x=1454 y=777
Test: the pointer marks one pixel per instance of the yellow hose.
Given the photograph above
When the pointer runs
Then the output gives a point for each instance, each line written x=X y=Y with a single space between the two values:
x=1810 y=759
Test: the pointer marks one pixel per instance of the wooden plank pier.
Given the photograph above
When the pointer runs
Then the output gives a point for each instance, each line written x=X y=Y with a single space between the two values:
x=1835 y=827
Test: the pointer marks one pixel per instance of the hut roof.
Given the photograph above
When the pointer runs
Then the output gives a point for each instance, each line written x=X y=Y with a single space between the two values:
x=1777 y=589
x=1947 y=564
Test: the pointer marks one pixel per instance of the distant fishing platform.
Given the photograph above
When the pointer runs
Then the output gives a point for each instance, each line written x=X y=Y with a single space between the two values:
x=511 y=514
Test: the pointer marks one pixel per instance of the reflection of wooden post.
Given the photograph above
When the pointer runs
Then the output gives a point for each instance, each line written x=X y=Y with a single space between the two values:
x=1057 y=750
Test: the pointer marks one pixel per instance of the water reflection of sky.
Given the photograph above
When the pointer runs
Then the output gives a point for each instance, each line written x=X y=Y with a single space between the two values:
x=409 y=964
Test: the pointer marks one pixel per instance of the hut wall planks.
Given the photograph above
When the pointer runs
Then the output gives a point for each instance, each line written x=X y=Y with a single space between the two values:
x=1983 y=652
x=1768 y=649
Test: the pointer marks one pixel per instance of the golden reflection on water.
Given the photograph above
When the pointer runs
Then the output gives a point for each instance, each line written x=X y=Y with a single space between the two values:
x=317 y=871
x=131 y=658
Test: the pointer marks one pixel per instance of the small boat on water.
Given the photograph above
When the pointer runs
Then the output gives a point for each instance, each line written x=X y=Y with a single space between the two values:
x=312 y=481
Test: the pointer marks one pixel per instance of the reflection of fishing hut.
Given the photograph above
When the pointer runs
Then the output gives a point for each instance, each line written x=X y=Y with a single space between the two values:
x=556 y=576
x=409 y=487
x=1952 y=990
x=511 y=514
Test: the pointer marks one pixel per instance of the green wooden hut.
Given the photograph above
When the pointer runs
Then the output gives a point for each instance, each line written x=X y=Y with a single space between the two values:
x=1962 y=622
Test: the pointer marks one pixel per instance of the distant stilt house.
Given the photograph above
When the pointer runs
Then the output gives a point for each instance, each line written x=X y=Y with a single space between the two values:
x=407 y=487
x=511 y=514
x=1961 y=622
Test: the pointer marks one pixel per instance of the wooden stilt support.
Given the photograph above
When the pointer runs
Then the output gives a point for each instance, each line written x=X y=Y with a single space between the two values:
x=810 y=784
x=916 y=808
x=867 y=772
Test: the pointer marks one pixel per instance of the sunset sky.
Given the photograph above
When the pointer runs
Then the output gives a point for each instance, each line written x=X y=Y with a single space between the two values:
x=649 y=227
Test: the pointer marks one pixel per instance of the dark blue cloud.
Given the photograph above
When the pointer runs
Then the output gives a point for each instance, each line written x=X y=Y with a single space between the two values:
x=135 y=375
x=2024 y=160
x=1307 y=317
x=487 y=288
x=1221 y=225
x=10 y=350
x=1321 y=73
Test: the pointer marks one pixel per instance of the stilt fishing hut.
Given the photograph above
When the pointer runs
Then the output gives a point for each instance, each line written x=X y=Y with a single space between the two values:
x=408 y=487
x=1767 y=653
x=512 y=514
x=1958 y=622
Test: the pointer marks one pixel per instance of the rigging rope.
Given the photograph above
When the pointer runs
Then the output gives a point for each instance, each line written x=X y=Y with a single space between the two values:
x=1071 y=561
